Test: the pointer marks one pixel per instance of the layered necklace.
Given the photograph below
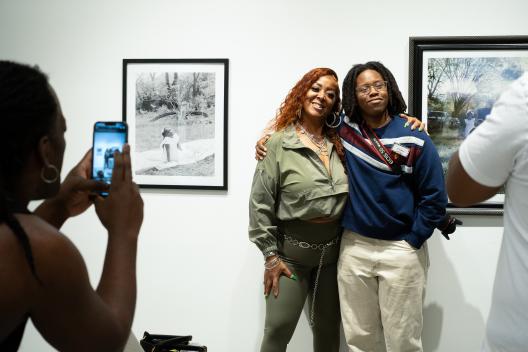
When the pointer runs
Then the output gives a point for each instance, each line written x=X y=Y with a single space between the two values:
x=318 y=141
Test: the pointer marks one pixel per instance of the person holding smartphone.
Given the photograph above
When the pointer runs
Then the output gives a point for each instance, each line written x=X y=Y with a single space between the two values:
x=43 y=276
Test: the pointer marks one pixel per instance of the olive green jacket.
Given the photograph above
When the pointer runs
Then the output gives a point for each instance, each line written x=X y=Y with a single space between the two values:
x=292 y=183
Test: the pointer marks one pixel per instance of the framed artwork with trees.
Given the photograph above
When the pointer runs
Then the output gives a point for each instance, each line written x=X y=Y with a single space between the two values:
x=453 y=84
x=176 y=110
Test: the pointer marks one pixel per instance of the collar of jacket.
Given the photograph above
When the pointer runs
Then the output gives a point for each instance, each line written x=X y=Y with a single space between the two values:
x=290 y=140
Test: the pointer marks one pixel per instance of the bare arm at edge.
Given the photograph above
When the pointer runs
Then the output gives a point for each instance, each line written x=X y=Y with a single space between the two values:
x=462 y=189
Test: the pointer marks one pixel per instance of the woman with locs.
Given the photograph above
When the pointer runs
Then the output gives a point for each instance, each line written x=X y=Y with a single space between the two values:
x=42 y=274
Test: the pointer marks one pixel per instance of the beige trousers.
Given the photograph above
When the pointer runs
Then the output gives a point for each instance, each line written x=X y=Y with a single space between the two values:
x=381 y=291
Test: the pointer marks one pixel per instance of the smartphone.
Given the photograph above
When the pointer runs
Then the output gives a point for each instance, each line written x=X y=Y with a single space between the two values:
x=107 y=138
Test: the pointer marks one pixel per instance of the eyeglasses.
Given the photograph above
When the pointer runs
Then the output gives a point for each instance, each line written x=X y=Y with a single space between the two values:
x=365 y=89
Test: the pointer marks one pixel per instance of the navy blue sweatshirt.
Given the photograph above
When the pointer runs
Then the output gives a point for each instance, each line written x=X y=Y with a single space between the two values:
x=386 y=205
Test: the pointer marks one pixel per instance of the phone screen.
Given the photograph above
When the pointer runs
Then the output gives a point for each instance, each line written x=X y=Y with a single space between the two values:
x=107 y=138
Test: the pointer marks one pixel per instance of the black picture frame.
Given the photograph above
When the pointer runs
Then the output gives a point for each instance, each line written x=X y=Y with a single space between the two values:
x=177 y=113
x=453 y=82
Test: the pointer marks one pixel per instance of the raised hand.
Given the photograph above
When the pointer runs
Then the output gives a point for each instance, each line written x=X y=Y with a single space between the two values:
x=122 y=211
x=260 y=148
x=414 y=122
x=77 y=188
x=75 y=194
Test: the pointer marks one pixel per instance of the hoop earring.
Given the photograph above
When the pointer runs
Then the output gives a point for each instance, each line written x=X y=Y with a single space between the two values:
x=54 y=169
x=333 y=124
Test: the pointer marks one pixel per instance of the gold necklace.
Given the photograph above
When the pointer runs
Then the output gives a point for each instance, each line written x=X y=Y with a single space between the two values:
x=321 y=145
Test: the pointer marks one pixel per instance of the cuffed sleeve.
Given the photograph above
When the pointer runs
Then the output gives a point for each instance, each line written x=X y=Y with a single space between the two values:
x=431 y=195
x=262 y=203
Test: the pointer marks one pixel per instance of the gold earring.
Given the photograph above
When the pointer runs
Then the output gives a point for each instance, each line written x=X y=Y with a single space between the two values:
x=53 y=169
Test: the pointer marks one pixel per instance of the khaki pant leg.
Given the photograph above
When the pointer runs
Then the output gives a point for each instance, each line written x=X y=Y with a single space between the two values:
x=403 y=275
x=358 y=295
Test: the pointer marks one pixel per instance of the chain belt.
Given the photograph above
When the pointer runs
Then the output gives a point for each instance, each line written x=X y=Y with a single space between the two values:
x=314 y=246
x=318 y=247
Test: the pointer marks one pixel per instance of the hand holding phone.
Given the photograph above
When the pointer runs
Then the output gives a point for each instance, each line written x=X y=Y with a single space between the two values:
x=108 y=137
x=121 y=213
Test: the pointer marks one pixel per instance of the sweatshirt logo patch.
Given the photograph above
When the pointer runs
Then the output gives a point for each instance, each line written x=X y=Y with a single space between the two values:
x=400 y=150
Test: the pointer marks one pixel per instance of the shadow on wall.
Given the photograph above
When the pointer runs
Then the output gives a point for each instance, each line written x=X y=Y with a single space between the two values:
x=447 y=314
x=451 y=323
x=251 y=316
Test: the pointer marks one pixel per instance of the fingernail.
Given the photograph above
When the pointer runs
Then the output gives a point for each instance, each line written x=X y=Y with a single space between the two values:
x=406 y=124
x=293 y=277
x=421 y=128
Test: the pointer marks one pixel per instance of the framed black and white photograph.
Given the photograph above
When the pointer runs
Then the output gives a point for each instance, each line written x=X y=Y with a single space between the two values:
x=176 y=110
x=453 y=84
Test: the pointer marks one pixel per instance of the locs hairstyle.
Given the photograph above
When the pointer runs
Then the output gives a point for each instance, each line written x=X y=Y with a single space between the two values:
x=27 y=113
x=350 y=106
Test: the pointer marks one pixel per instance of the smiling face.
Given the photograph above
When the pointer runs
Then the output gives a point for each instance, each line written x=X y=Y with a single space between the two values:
x=372 y=101
x=320 y=97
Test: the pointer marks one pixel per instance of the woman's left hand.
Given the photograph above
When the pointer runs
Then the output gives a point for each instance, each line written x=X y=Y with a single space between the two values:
x=414 y=122
x=77 y=187
x=74 y=195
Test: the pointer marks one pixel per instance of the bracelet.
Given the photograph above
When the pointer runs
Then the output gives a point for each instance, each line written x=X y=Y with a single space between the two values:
x=272 y=264
x=270 y=254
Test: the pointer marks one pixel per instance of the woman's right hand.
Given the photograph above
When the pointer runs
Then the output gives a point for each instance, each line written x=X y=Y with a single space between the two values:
x=260 y=148
x=272 y=276
x=122 y=211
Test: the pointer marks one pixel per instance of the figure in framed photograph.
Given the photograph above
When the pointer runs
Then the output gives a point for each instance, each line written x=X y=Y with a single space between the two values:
x=170 y=145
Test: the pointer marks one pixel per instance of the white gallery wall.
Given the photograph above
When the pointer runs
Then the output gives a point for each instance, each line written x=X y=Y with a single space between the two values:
x=197 y=272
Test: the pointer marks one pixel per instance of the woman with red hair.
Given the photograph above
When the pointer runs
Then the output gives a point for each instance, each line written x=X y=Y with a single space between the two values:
x=298 y=194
